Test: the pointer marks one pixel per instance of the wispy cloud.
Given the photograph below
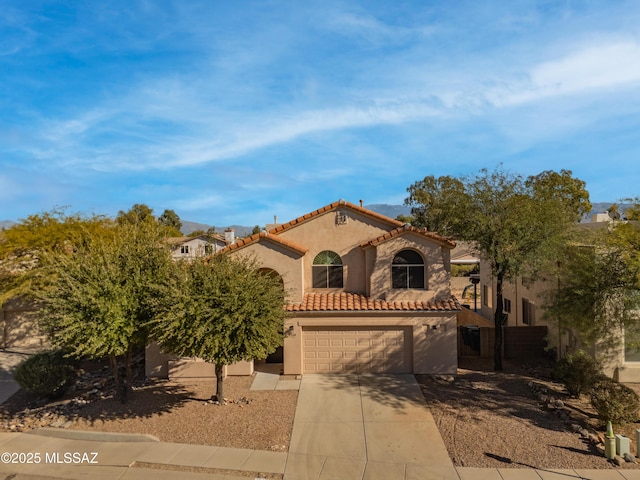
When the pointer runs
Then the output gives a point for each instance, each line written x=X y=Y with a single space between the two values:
x=330 y=97
x=614 y=65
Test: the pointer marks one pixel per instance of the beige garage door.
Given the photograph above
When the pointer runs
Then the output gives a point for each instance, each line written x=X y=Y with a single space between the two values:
x=356 y=350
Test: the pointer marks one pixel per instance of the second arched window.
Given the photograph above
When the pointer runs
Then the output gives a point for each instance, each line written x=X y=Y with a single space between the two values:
x=407 y=270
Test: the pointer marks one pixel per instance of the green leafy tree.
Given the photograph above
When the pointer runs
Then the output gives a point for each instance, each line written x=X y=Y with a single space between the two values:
x=138 y=213
x=256 y=229
x=405 y=219
x=516 y=223
x=100 y=298
x=23 y=245
x=171 y=221
x=633 y=211
x=222 y=310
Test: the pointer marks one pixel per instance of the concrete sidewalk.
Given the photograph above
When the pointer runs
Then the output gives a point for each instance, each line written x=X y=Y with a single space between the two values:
x=121 y=460
x=89 y=456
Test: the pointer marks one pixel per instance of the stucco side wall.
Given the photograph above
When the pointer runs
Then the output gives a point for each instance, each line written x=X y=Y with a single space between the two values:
x=323 y=233
x=158 y=364
x=437 y=263
x=435 y=346
x=19 y=326
x=433 y=338
x=285 y=262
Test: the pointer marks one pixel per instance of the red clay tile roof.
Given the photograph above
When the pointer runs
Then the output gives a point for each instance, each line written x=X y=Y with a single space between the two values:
x=320 y=302
x=408 y=228
x=257 y=236
x=330 y=207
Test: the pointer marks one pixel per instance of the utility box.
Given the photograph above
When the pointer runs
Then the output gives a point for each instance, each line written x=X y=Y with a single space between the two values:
x=623 y=444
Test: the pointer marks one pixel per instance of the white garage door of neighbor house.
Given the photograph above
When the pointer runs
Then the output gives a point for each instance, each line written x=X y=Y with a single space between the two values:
x=356 y=350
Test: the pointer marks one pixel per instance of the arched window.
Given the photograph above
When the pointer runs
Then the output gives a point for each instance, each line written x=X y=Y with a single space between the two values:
x=327 y=270
x=270 y=272
x=407 y=270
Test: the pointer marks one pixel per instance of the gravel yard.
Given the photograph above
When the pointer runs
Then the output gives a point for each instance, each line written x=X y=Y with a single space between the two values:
x=490 y=419
x=182 y=413
x=259 y=420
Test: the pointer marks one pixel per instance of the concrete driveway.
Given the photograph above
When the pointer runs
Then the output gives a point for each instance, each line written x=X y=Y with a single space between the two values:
x=365 y=427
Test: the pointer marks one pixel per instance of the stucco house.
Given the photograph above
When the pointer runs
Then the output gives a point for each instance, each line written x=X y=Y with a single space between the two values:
x=185 y=248
x=523 y=304
x=366 y=293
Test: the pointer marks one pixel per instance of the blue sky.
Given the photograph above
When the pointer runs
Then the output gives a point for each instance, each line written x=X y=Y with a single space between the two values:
x=232 y=112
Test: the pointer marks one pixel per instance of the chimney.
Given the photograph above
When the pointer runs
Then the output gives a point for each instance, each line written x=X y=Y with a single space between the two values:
x=229 y=235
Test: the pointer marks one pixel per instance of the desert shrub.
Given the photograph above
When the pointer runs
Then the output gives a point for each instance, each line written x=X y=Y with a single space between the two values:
x=578 y=372
x=614 y=402
x=47 y=373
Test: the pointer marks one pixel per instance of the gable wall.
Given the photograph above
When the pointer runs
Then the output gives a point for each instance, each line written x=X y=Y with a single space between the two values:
x=437 y=269
x=280 y=259
x=322 y=233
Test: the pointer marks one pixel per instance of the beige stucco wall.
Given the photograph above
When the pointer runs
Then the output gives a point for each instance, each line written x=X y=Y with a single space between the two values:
x=610 y=358
x=322 y=233
x=434 y=338
x=285 y=262
x=19 y=327
x=163 y=365
x=437 y=269
x=515 y=291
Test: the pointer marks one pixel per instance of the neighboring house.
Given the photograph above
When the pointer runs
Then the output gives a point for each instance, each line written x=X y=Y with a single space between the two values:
x=366 y=293
x=207 y=244
x=523 y=305
x=465 y=260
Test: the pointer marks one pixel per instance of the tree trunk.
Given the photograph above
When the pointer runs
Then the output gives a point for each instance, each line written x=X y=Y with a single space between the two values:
x=128 y=376
x=113 y=362
x=219 y=396
x=122 y=376
x=497 y=320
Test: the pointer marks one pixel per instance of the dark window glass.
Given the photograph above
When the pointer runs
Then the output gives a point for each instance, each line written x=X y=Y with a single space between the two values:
x=327 y=271
x=407 y=270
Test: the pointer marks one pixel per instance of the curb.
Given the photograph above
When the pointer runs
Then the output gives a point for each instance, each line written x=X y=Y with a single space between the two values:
x=92 y=436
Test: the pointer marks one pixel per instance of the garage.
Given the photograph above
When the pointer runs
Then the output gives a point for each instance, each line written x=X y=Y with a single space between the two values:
x=356 y=349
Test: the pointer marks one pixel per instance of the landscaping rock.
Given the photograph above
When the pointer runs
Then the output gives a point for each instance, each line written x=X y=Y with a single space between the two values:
x=629 y=458
x=618 y=460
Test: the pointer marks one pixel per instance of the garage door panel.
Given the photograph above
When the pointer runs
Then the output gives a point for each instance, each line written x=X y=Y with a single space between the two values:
x=357 y=350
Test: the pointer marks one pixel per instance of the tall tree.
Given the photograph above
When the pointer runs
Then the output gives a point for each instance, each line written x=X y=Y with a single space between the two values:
x=516 y=223
x=100 y=298
x=23 y=245
x=222 y=310
x=170 y=220
x=138 y=213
